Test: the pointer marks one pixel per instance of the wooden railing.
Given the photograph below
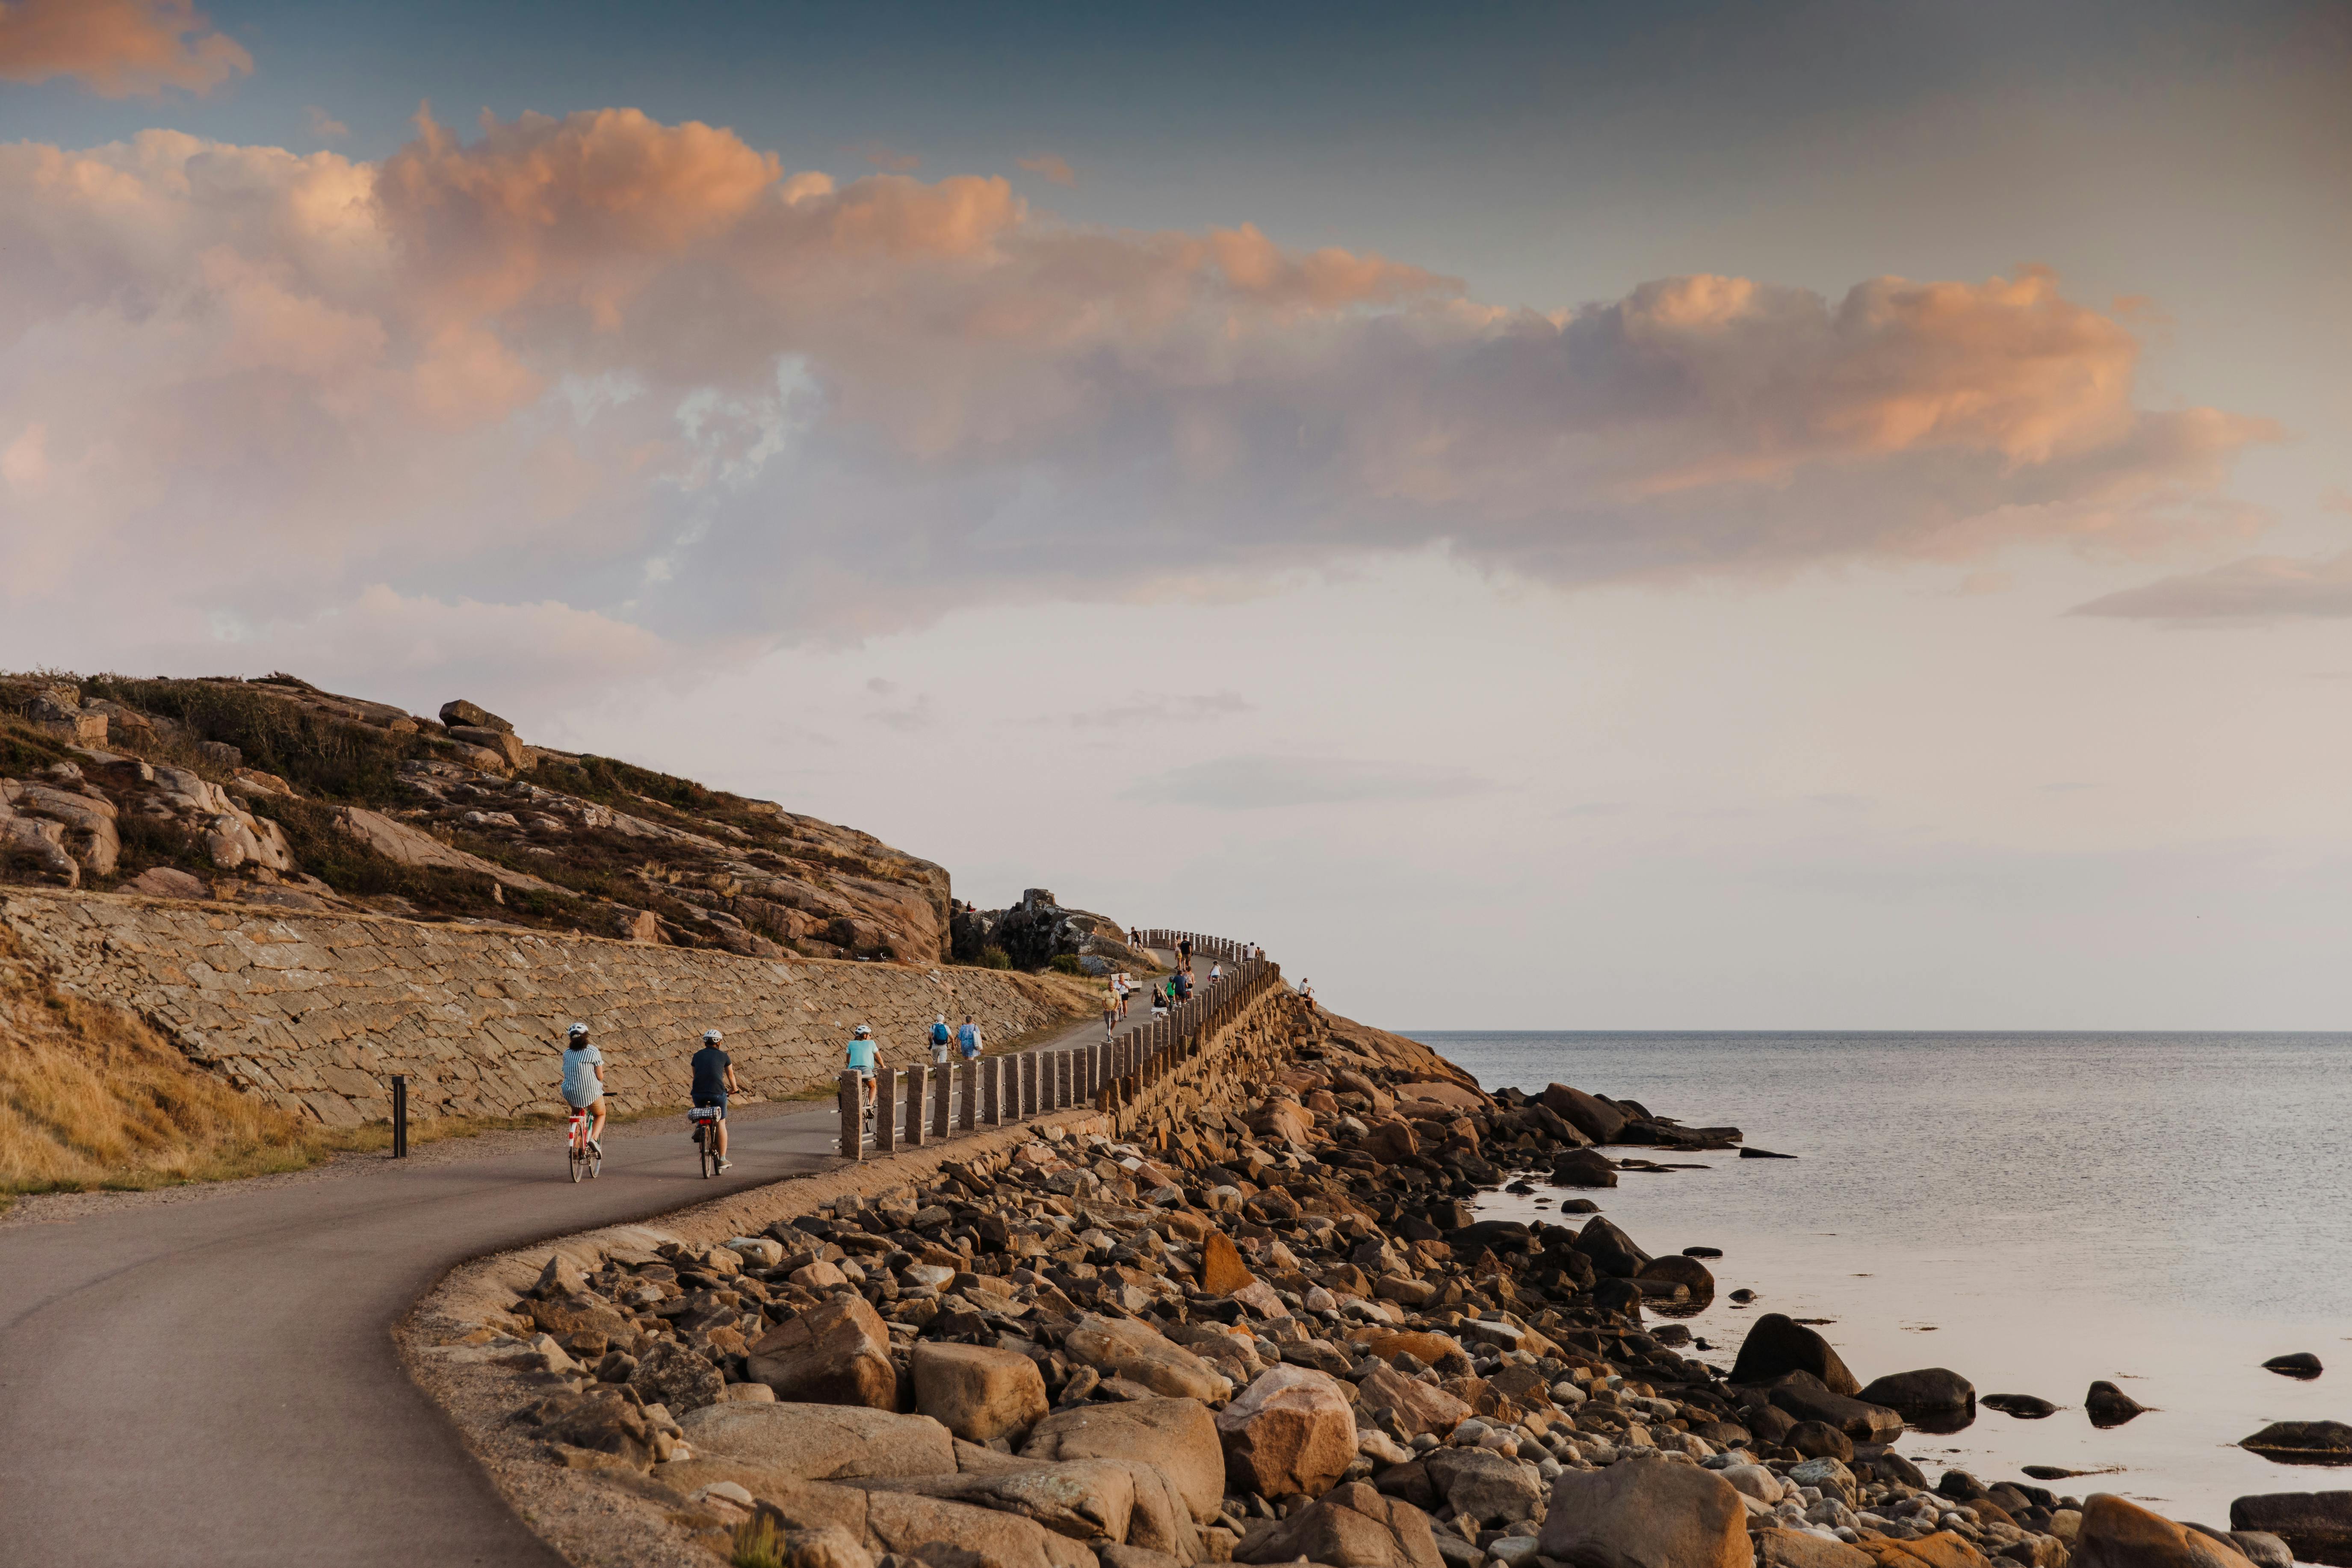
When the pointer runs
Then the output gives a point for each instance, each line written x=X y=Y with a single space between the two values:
x=922 y=1103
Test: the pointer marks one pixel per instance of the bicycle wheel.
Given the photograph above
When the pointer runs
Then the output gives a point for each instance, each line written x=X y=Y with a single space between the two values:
x=596 y=1157
x=708 y=1144
x=578 y=1156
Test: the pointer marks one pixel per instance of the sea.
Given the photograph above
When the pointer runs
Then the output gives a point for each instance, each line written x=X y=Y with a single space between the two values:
x=2032 y=1211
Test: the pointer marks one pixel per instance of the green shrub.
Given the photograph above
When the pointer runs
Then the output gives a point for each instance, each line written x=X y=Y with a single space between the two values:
x=995 y=958
x=757 y=1545
x=1066 y=964
x=334 y=759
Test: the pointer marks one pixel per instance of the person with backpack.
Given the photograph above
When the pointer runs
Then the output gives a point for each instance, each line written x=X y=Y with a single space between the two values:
x=942 y=1039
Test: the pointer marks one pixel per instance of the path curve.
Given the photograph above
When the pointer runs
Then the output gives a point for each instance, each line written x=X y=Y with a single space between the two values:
x=213 y=1383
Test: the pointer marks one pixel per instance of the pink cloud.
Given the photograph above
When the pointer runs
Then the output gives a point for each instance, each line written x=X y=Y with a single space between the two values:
x=117 y=49
x=2258 y=588
x=1050 y=167
x=603 y=361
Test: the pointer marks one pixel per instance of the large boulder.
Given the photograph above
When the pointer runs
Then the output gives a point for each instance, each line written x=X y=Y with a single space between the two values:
x=2118 y=1534
x=1486 y=1486
x=2108 y=1406
x=978 y=1392
x=837 y=1352
x=2317 y=1525
x=1122 y=1347
x=1583 y=1168
x=1416 y=1406
x=1610 y=1250
x=677 y=1377
x=819 y=1442
x=1223 y=1272
x=1939 y=1549
x=1929 y=1392
x=1777 y=1344
x=916 y=1526
x=2304 y=1442
x=1177 y=1434
x=1688 y=1272
x=602 y=1420
x=458 y=714
x=1115 y=1501
x=1596 y=1119
x=1291 y=1431
x=1351 y=1527
x=1803 y=1549
x=1803 y=1396
x=1645 y=1513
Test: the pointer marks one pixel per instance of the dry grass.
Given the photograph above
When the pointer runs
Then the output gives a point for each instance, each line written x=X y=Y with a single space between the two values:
x=90 y=1097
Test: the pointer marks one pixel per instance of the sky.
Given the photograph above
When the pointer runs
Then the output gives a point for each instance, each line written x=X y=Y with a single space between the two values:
x=1694 y=516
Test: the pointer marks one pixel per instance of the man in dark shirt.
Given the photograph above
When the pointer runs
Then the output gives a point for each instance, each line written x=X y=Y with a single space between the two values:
x=714 y=1080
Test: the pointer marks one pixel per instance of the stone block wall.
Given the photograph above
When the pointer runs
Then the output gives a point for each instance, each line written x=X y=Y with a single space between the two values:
x=317 y=1011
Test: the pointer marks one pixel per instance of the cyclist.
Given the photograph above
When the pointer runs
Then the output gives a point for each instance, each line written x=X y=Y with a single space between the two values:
x=583 y=1080
x=941 y=1040
x=864 y=1056
x=714 y=1080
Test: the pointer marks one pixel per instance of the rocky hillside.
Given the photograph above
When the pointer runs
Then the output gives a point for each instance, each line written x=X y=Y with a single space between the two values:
x=273 y=792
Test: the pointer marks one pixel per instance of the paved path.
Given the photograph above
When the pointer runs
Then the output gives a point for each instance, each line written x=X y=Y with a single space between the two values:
x=213 y=1382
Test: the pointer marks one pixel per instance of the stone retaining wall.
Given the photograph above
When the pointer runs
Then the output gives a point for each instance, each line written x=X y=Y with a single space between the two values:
x=316 y=1011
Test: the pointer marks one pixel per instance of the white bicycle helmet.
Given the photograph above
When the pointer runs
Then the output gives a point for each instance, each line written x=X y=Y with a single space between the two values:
x=863 y=1031
x=577 y=1031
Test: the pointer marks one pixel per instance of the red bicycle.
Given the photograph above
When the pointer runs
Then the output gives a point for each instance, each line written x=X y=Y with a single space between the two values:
x=584 y=1156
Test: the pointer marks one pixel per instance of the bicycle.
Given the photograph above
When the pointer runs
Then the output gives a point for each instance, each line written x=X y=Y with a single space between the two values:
x=582 y=1154
x=706 y=1137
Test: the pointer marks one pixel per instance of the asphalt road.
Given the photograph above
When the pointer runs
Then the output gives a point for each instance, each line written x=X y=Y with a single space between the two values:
x=213 y=1382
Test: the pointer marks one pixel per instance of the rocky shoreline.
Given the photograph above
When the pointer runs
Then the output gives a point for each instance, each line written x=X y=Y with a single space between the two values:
x=1255 y=1318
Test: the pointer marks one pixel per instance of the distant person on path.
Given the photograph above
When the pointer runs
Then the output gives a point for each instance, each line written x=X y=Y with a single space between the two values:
x=1306 y=994
x=1110 y=1010
x=968 y=1039
x=1160 y=999
x=583 y=1080
x=941 y=1040
x=714 y=1080
x=865 y=1057
x=1184 y=953
x=1216 y=972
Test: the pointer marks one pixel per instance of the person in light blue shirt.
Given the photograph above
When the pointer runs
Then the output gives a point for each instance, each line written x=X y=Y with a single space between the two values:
x=865 y=1057
x=583 y=1080
x=968 y=1038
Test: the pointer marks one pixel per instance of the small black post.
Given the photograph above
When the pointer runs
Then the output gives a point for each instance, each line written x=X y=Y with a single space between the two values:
x=400 y=1116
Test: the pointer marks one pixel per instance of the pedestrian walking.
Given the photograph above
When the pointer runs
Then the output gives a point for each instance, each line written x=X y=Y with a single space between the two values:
x=942 y=1040
x=968 y=1039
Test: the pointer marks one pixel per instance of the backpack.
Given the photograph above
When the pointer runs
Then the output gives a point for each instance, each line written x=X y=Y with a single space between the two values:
x=938 y=1033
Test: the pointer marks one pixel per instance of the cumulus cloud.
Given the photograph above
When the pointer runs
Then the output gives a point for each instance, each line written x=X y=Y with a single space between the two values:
x=646 y=370
x=117 y=49
x=2258 y=588
x=1050 y=167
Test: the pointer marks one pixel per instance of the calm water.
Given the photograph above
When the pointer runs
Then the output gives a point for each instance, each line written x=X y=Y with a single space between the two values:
x=2033 y=1211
